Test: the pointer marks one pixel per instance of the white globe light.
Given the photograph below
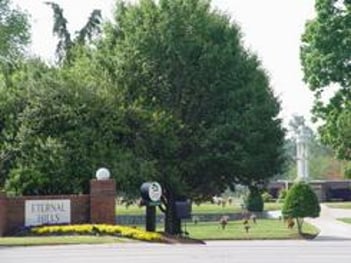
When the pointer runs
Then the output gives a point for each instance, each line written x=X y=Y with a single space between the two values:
x=102 y=174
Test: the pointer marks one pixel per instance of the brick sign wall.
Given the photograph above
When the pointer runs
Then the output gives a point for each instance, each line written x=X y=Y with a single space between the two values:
x=97 y=207
x=16 y=209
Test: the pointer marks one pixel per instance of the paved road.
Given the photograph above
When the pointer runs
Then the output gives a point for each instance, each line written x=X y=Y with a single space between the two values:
x=331 y=228
x=214 y=252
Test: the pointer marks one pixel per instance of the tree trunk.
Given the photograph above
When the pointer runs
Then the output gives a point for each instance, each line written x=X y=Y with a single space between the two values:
x=299 y=225
x=172 y=223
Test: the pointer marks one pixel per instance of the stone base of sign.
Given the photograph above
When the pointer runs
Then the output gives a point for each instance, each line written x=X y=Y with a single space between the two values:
x=97 y=207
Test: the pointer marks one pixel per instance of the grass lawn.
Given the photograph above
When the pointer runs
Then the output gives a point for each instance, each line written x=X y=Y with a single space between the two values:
x=264 y=229
x=131 y=210
x=205 y=208
x=208 y=208
x=342 y=205
x=59 y=240
x=345 y=220
x=273 y=206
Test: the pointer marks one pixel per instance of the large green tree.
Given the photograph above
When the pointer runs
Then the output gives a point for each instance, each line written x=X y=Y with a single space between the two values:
x=188 y=61
x=14 y=36
x=64 y=130
x=325 y=56
x=34 y=158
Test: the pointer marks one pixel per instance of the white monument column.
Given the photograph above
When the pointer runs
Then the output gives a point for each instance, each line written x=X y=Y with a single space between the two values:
x=302 y=155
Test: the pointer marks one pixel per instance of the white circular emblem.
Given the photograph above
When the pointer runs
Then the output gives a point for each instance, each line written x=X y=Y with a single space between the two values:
x=155 y=192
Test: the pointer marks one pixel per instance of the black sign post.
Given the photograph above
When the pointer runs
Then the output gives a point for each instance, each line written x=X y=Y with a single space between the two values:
x=150 y=218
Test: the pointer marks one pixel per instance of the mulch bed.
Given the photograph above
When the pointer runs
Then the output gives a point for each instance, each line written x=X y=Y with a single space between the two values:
x=171 y=239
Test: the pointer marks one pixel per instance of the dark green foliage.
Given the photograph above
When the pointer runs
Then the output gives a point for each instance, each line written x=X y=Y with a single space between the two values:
x=91 y=29
x=67 y=44
x=254 y=201
x=14 y=37
x=301 y=202
x=184 y=58
x=65 y=131
x=60 y=29
x=325 y=56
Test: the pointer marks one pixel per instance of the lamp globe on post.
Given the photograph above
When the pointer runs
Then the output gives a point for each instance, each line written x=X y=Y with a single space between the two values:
x=102 y=174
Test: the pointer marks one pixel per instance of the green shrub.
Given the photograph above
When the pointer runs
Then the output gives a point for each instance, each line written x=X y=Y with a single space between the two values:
x=301 y=202
x=254 y=202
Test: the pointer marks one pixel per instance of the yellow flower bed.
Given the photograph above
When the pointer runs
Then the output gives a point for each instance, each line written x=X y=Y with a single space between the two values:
x=114 y=230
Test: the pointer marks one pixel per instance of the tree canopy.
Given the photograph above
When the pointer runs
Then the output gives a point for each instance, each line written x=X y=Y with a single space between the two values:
x=14 y=30
x=184 y=58
x=325 y=56
x=14 y=36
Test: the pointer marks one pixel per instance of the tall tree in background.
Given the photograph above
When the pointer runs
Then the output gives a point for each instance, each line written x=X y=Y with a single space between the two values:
x=14 y=30
x=326 y=56
x=14 y=36
x=84 y=36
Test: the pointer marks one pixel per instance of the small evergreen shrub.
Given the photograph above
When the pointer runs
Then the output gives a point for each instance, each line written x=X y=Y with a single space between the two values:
x=300 y=202
x=254 y=201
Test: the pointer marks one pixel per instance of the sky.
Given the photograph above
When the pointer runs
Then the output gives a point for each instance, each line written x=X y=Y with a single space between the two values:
x=271 y=28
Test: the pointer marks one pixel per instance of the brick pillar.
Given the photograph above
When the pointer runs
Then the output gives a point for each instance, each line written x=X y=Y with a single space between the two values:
x=3 y=213
x=102 y=201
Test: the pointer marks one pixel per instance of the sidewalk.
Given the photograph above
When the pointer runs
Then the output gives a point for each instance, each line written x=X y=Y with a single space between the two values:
x=330 y=228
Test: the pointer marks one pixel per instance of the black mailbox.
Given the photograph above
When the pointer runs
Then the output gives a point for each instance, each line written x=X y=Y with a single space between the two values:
x=183 y=209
